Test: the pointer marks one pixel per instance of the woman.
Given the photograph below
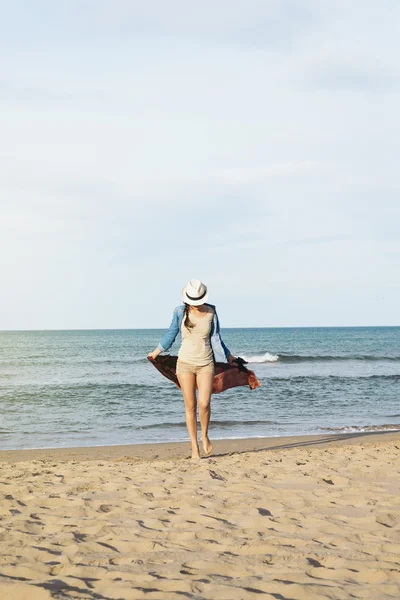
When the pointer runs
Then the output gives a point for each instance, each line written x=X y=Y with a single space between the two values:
x=201 y=347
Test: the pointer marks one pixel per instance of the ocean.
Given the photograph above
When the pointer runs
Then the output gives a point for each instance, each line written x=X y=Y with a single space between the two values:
x=92 y=388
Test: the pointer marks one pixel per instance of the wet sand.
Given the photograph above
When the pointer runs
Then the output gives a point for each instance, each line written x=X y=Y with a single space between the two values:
x=283 y=518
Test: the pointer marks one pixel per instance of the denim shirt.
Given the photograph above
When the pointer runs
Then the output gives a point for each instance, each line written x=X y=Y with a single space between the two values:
x=220 y=351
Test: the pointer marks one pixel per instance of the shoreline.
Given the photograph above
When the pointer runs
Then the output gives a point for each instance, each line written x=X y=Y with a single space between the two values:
x=181 y=450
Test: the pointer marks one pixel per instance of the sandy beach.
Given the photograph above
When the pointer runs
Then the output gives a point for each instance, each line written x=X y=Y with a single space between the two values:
x=281 y=518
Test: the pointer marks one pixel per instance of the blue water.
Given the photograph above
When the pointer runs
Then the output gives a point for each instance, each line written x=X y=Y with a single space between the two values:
x=84 y=388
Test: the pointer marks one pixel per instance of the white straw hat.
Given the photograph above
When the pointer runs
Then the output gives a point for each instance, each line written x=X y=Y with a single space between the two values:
x=195 y=293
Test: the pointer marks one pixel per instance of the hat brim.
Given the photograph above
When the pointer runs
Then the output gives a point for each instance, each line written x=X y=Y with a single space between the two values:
x=194 y=302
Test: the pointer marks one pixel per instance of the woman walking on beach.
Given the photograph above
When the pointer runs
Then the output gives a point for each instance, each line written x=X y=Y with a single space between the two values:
x=201 y=347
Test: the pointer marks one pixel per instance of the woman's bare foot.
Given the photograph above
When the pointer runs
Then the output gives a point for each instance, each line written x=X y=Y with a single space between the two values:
x=195 y=452
x=207 y=445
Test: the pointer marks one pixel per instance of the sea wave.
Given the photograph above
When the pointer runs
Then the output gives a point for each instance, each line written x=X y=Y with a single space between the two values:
x=363 y=428
x=296 y=358
x=261 y=358
x=331 y=378
x=216 y=423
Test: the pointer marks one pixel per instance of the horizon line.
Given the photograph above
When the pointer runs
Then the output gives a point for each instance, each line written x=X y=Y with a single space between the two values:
x=222 y=328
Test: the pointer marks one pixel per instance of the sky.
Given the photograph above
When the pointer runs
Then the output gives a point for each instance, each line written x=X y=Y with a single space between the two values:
x=252 y=144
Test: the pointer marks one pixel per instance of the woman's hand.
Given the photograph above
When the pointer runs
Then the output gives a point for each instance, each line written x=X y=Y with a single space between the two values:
x=232 y=359
x=153 y=355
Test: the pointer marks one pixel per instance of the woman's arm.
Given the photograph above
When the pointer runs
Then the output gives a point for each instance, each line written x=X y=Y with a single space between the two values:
x=229 y=357
x=168 y=339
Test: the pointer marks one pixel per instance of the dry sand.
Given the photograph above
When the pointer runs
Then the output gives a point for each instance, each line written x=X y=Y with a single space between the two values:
x=280 y=518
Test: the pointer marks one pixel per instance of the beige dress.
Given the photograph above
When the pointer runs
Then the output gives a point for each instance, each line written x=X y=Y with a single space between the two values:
x=196 y=348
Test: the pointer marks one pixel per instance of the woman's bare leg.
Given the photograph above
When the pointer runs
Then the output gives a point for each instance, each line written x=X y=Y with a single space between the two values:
x=187 y=382
x=204 y=384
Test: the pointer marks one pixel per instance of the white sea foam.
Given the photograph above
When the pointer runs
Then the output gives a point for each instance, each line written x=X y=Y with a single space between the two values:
x=262 y=358
x=363 y=429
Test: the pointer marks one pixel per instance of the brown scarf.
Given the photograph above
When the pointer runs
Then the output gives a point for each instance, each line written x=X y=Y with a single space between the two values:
x=226 y=376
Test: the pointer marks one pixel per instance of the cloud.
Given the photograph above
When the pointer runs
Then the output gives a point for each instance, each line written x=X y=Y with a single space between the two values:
x=360 y=77
x=324 y=239
x=246 y=175
x=244 y=22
